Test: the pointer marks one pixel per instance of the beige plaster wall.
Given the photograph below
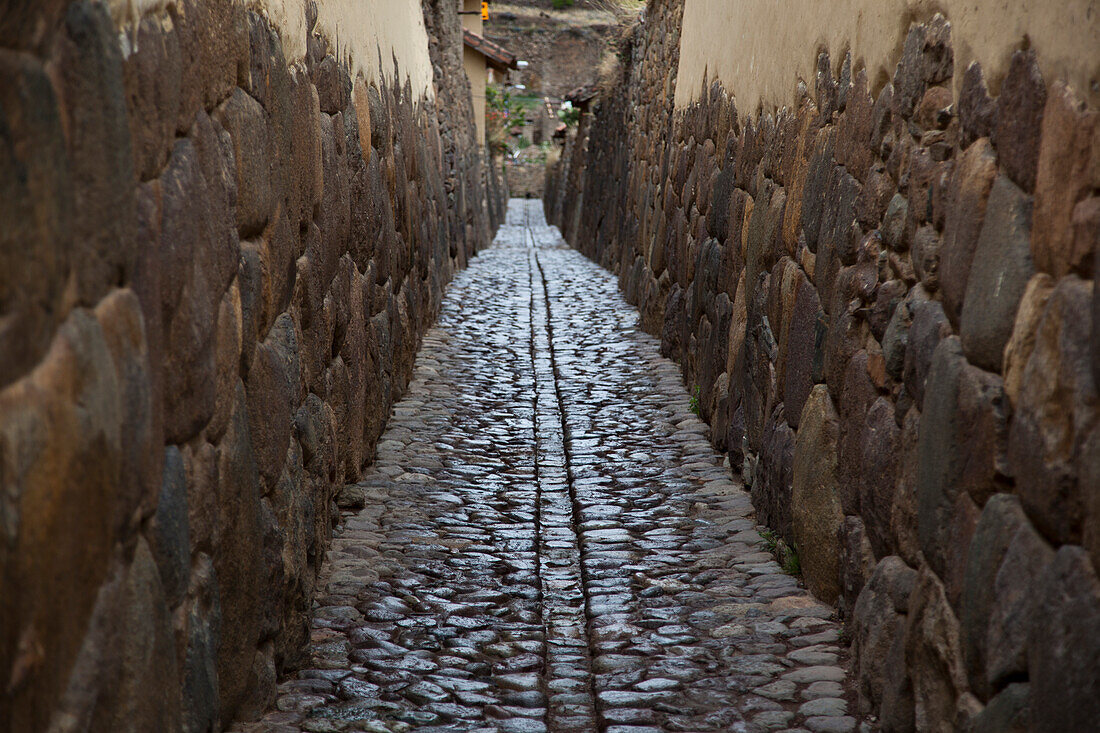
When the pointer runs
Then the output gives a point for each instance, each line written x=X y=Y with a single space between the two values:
x=479 y=77
x=367 y=34
x=759 y=49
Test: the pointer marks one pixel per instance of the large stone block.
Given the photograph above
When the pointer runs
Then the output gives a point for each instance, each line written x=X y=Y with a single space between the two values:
x=928 y=328
x=214 y=53
x=857 y=563
x=101 y=162
x=61 y=453
x=805 y=348
x=815 y=504
x=969 y=190
x=879 y=467
x=120 y=318
x=1021 y=343
x=1063 y=645
x=1068 y=135
x=243 y=117
x=962 y=438
x=855 y=400
x=169 y=538
x=238 y=557
x=975 y=107
x=1056 y=411
x=189 y=296
x=1001 y=521
x=274 y=385
x=1018 y=119
x=36 y=206
x=152 y=73
x=878 y=644
x=933 y=655
x=771 y=489
x=1001 y=271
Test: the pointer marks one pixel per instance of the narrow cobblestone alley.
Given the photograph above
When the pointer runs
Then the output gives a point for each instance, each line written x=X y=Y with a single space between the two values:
x=549 y=542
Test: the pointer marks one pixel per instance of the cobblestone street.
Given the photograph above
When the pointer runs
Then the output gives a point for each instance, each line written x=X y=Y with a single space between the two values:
x=548 y=542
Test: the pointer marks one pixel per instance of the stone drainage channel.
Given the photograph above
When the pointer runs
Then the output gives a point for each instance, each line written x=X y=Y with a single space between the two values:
x=549 y=542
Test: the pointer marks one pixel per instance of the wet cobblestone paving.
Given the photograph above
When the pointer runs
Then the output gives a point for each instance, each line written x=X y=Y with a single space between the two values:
x=549 y=542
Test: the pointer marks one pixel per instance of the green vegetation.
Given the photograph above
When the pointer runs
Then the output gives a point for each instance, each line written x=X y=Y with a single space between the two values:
x=693 y=404
x=785 y=554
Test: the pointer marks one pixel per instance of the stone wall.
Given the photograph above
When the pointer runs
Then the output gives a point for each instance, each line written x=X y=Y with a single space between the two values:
x=886 y=302
x=525 y=179
x=217 y=265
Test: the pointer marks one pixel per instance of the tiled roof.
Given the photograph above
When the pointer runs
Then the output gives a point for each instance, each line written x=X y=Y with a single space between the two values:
x=498 y=57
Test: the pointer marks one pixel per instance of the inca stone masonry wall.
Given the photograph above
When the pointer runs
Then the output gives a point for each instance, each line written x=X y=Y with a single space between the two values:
x=887 y=304
x=215 y=268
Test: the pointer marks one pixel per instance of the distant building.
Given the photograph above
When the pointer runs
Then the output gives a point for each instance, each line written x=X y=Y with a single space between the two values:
x=483 y=60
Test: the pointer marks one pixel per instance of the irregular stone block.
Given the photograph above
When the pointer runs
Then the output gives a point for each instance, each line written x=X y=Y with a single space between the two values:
x=804 y=349
x=36 y=206
x=933 y=655
x=962 y=438
x=273 y=388
x=238 y=557
x=1062 y=649
x=170 y=541
x=929 y=327
x=1018 y=119
x=1007 y=712
x=878 y=644
x=815 y=504
x=152 y=73
x=1057 y=409
x=1021 y=343
x=855 y=400
x=969 y=190
x=100 y=156
x=976 y=109
x=857 y=563
x=1002 y=269
x=244 y=119
x=60 y=428
x=771 y=489
x=1068 y=134
x=878 y=465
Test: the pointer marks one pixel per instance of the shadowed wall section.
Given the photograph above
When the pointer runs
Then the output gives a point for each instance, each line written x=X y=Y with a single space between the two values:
x=219 y=248
x=884 y=294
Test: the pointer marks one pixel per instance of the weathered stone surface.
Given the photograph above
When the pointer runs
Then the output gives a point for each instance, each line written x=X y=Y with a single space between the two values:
x=933 y=654
x=878 y=640
x=100 y=157
x=62 y=454
x=273 y=387
x=929 y=327
x=1018 y=119
x=1068 y=135
x=1008 y=712
x=170 y=539
x=1062 y=649
x=879 y=463
x=855 y=400
x=1001 y=519
x=976 y=109
x=244 y=119
x=1057 y=409
x=237 y=558
x=962 y=437
x=1013 y=612
x=1021 y=343
x=1000 y=274
x=856 y=560
x=815 y=504
x=36 y=206
x=188 y=295
x=970 y=187
x=804 y=349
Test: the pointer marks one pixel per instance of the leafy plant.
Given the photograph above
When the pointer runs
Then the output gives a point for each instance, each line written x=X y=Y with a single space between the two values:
x=562 y=4
x=784 y=553
x=569 y=114
x=503 y=116
x=693 y=403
